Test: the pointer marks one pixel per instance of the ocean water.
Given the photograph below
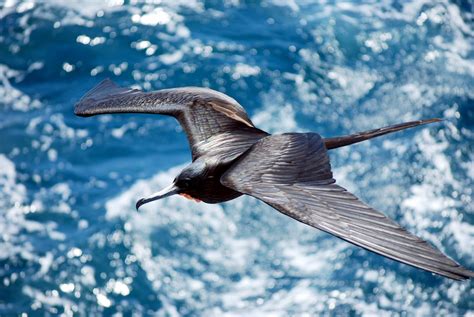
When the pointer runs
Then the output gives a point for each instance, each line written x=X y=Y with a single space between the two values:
x=71 y=242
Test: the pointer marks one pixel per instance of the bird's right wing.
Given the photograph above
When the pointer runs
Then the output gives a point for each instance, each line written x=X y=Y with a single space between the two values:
x=212 y=120
x=292 y=173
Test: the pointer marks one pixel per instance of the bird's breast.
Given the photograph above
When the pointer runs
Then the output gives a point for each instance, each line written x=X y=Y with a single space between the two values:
x=212 y=192
x=209 y=189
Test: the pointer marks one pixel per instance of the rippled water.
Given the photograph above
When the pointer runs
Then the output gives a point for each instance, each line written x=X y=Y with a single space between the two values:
x=70 y=239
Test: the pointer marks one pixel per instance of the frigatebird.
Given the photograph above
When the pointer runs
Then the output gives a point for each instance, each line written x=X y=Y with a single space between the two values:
x=290 y=172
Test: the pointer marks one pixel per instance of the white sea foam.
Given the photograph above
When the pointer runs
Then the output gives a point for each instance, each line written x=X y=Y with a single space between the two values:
x=171 y=58
x=463 y=233
x=45 y=130
x=244 y=70
x=353 y=84
x=428 y=201
x=12 y=97
x=310 y=260
x=14 y=224
x=276 y=116
x=119 y=132
x=291 y=4
x=12 y=220
x=49 y=300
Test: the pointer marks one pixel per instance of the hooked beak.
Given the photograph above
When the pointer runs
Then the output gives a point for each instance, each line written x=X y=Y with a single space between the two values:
x=168 y=191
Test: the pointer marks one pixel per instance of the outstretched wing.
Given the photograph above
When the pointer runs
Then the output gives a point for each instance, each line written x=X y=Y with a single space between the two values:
x=292 y=173
x=208 y=117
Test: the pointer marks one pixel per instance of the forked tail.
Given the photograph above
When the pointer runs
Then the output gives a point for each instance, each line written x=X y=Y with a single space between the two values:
x=332 y=143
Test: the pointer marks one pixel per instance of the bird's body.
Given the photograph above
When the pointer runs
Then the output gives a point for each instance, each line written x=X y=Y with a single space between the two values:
x=290 y=172
x=217 y=155
x=206 y=186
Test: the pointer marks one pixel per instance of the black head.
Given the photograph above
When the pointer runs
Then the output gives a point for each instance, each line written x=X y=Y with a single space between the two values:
x=190 y=177
x=187 y=182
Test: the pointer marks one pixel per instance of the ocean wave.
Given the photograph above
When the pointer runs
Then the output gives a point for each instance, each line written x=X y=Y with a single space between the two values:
x=72 y=241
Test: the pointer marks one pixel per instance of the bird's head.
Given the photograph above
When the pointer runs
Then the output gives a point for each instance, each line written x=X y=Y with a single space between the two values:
x=186 y=184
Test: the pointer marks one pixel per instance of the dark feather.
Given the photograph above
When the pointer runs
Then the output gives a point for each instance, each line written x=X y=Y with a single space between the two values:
x=292 y=173
x=203 y=113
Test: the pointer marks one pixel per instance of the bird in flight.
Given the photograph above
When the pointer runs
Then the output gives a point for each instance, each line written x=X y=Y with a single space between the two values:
x=290 y=172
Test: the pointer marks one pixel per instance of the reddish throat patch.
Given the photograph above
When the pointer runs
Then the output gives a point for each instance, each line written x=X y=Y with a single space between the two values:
x=190 y=197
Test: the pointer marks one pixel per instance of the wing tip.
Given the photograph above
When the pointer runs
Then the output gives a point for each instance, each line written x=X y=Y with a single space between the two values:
x=432 y=120
x=463 y=274
x=86 y=106
x=83 y=106
x=450 y=269
x=98 y=89
x=80 y=109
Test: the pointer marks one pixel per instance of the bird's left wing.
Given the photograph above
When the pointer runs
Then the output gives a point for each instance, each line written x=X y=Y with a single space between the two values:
x=292 y=173
x=212 y=120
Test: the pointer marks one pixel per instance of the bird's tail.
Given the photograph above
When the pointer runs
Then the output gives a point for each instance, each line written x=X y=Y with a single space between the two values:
x=332 y=143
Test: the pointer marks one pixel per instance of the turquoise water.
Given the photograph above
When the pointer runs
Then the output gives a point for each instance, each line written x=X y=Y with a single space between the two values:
x=71 y=241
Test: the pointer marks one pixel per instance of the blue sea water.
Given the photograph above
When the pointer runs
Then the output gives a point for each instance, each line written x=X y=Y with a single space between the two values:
x=71 y=242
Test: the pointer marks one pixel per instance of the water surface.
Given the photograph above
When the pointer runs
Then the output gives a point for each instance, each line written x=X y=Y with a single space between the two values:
x=71 y=241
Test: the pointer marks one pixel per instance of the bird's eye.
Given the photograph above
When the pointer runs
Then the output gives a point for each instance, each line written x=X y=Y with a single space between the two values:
x=186 y=182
